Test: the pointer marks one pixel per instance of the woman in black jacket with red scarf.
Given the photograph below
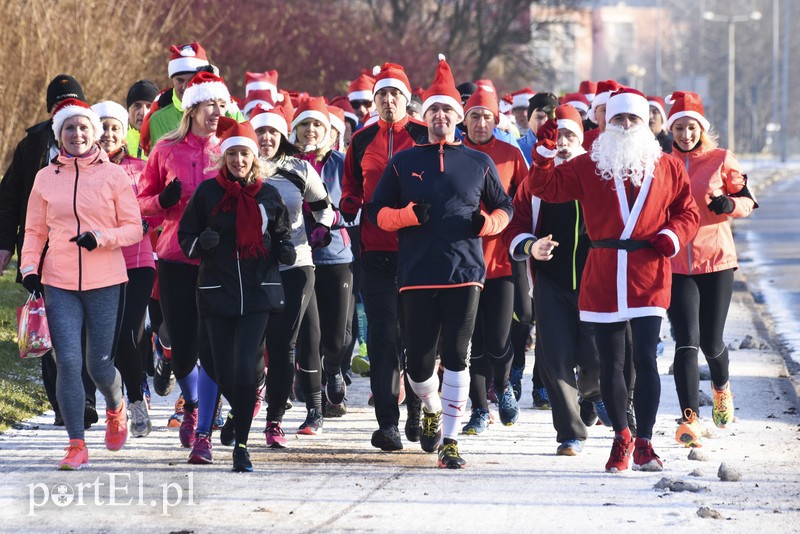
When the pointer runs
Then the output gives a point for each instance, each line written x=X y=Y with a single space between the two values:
x=238 y=227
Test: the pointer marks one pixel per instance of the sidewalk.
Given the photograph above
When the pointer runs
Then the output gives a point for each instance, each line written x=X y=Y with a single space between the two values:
x=338 y=482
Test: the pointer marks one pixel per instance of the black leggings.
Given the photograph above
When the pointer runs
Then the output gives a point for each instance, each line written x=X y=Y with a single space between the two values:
x=610 y=338
x=177 y=284
x=235 y=357
x=430 y=313
x=698 y=311
x=309 y=366
x=128 y=356
x=334 y=292
x=492 y=352
x=281 y=334
x=523 y=311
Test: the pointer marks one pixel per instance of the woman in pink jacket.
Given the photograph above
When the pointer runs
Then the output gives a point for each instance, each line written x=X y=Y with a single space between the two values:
x=141 y=272
x=702 y=271
x=82 y=208
x=178 y=163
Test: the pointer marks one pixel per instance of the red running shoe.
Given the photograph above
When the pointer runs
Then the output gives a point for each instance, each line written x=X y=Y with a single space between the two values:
x=620 y=454
x=644 y=458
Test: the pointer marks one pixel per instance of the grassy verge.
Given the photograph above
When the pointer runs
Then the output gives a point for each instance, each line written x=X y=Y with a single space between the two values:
x=21 y=391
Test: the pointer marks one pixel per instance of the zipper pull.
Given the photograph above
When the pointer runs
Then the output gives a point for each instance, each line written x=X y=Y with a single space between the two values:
x=441 y=156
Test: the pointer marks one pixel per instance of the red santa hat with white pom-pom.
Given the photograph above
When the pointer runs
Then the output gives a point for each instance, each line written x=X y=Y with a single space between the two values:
x=443 y=90
x=687 y=104
x=204 y=86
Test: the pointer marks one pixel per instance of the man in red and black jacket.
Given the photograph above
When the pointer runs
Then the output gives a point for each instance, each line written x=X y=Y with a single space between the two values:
x=370 y=150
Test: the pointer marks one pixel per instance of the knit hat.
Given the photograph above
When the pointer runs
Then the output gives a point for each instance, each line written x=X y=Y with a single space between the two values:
x=588 y=88
x=187 y=58
x=264 y=97
x=313 y=107
x=521 y=98
x=232 y=133
x=485 y=99
x=443 y=90
x=392 y=75
x=627 y=100
x=604 y=90
x=72 y=107
x=568 y=117
x=61 y=88
x=415 y=104
x=261 y=81
x=343 y=103
x=687 y=104
x=361 y=87
x=577 y=101
x=274 y=118
x=204 y=86
x=112 y=110
x=141 y=90
x=466 y=90
x=658 y=103
x=542 y=101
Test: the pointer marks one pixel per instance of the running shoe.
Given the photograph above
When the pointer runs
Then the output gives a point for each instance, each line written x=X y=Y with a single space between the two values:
x=689 y=431
x=333 y=410
x=163 y=377
x=227 y=434
x=335 y=388
x=188 y=428
x=146 y=392
x=116 y=428
x=602 y=413
x=140 y=420
x=620 y=457
x=540 y=399
x=507 y=407
x=312 y=426
x=201 y=450
x=276 y=439
x=218 y=421
x=644 y=458
x=722 y=410
x=515 y=379
x=478 y=422
x=89 y=416
x=588 y=413
x=360 y=362
x=431 y=430
x=570 y=447
x=387 y=438
x=77 y=456
x=413 y=426
x=175 y=419
x=241 y=459
x=449 y=458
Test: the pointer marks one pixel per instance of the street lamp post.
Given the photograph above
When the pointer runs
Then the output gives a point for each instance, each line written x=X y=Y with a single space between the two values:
x=731 y=20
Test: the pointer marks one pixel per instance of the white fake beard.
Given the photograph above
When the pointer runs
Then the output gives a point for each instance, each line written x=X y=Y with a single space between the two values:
x=626 y=154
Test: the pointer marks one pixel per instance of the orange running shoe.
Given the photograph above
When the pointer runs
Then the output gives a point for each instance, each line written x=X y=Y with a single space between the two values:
x=117 y=427
x=175 y=419
x=77 y=456
x=689 y=431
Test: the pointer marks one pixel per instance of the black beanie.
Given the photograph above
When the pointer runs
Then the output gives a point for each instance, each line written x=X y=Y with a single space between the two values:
x=62 y=87
x=466 y=90
x=542 y=101
x=141 y=90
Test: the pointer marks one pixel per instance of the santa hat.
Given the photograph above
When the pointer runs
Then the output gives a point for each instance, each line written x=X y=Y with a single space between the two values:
x=482 y=98
x=187 y=58
x=443 y=90
x=203 y=87
x=521 y=97
x=486 y=84
x=371 y=119
x=392 y=75
x=505 y=104
x=361 y=87
x=232 y=133
x=112 y=110
x=658 y=103
x=265 y=97
x=272 y=117
x=588 y=88
x=343 y=103
x=604 y=90
x=568 y=117
x=261 y=81
x=72 y=107
x=627 y=100
x=336 y=115
x=313 y=107
x=577 y=101
x=687 y=104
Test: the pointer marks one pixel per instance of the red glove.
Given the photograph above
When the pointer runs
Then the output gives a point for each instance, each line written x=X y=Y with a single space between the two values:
x=546 y=146
x=663 y=244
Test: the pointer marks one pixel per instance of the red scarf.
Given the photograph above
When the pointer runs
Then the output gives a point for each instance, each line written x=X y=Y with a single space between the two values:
x=241 y=200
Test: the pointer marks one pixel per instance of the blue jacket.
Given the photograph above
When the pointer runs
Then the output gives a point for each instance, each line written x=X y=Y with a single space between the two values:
x=339 y=249
x=454 y=180
x=526 y=144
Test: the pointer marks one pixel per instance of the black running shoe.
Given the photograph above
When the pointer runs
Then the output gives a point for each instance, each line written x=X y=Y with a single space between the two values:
x=413 y=426
x=448 y=455
x=163 y=377
x=241 y=459
x=89 y=416
x=431 y=433
x=227 y=434
x=335 y=388
x=387 y=438
x=588 y=413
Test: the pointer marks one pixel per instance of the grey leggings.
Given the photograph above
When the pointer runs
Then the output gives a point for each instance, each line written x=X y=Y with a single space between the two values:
x=67 y=313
